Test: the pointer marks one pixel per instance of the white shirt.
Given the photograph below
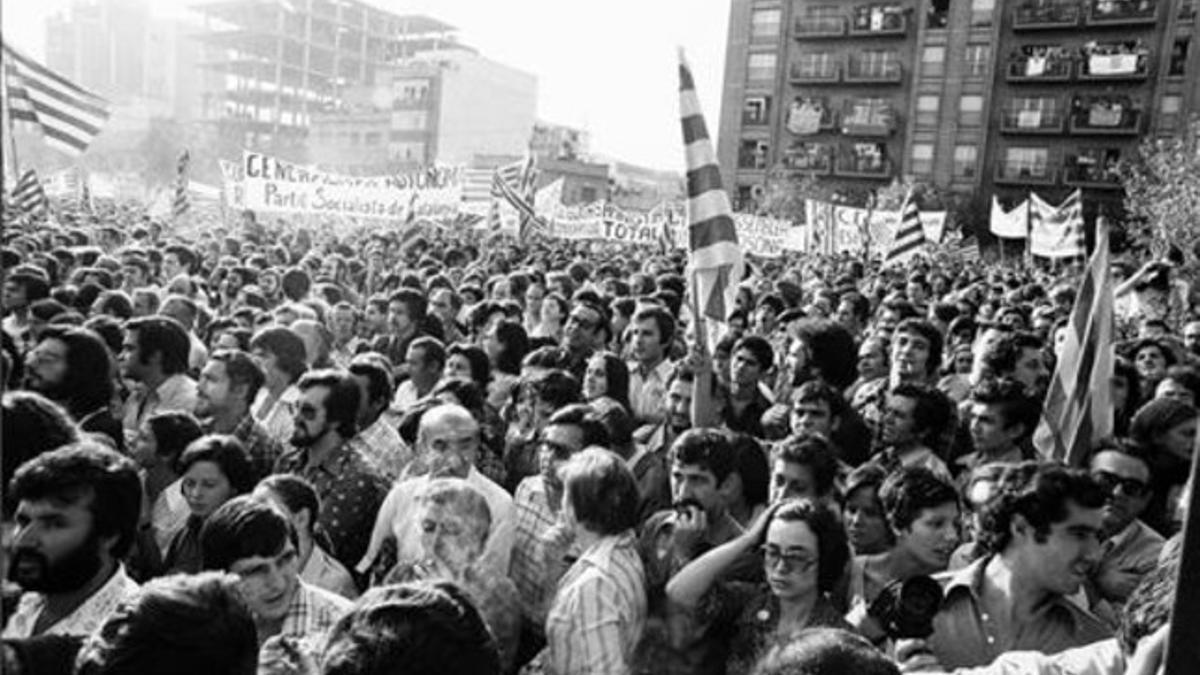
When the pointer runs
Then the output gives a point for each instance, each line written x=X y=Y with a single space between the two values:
x=84 y=620
x=398 y=518
x=280 y=419
x=169 y=512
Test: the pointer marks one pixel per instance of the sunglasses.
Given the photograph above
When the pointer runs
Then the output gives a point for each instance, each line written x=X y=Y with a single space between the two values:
x=1130 y=486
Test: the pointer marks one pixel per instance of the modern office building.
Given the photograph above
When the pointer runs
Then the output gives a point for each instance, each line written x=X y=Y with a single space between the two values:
x=270 y=66
x=976 y=96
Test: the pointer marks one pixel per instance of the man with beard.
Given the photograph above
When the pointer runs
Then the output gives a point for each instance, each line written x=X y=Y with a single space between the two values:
x=1041 y=532
x=72 y=367
x=657 y=439
x=348 y=484
x=1130 y=549
x=77 y=515
x=447 y=445
x=228 y=384
x=21 y=289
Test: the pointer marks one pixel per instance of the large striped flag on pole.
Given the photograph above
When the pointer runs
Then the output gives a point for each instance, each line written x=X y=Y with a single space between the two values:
x=68 y=116
x=29 y=196
x=910 y=234
x=715 y=260
x=1079 y=407
x=182 y=201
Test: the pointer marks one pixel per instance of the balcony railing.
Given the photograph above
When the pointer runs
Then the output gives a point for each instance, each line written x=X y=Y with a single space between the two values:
x=885 y=25
x=1039 y=69
x=807 y=120
x=808 y=161
x=1023 y=173
x=814 y=73
x=853 y=166
x=1046 y=17
x=808 y=27
x=1044 y=121
x=753 y=161
x=1098 y=121
x=1109 y=67
x=1091 y=176
x=859 y=122
x=1122 y=12
x=874 y=72
x=750 y=119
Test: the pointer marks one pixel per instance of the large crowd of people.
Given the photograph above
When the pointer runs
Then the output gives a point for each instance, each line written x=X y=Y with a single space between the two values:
x=291 y=447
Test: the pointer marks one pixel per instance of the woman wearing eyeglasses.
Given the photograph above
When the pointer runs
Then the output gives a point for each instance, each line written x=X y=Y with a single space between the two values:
x=804 y=551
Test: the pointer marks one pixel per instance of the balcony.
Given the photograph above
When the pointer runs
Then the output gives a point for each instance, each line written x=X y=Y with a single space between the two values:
x=1040 y=16
x=811 y=159
x=878 y=22
x=1090 y=176
x=818 y=72
x=812 y=27
x=1122 y=12
x=1114 y=67
x=1038 y=69
x=862 y=71
x=1100 y=120
x=858 y=166
x=808 y=117
x=1044 y=121
x=858 y=120
x=1024 y=173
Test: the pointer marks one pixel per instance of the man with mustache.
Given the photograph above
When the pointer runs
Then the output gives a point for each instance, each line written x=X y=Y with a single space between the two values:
x=447 y=444
x=349 y=485
x=77 y=515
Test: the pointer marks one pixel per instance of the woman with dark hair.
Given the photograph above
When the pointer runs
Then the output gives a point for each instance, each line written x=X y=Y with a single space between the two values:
x=1167 y=429
x=751 y=491
x=506 y=345
x=465 y=361
x=73 y=367
x=862 y=511
x=607 y=376
x=215 y=469
x=157 y=448
x=1126 y=395
x=804 y=552
x=281 y=355
x=554 y=314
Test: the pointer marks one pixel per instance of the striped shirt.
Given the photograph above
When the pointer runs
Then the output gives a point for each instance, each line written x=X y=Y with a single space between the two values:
x=528 y=570
x=599 y=611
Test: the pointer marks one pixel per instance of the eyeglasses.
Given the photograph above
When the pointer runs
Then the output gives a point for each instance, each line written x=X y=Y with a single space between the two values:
x=1110 y=481
x=792 y=562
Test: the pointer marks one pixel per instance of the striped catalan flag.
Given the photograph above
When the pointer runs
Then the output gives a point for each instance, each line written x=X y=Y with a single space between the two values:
x=28 y=195
x=68 y=116
x=181 y=203
x=715 y=260
x=910 y=235
x=1079 y=409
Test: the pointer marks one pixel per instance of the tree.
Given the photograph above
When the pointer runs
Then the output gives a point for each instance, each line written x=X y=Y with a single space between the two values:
x=786 y=191
x=1162 y=193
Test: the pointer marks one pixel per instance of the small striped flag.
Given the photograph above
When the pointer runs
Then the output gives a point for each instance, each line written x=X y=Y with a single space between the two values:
x=714 y=257
x=1079 y=407
x=515 y=183
x=68 y=116
x=28 y=195
x=910 y=235
x=967 y=250
x=182 y=202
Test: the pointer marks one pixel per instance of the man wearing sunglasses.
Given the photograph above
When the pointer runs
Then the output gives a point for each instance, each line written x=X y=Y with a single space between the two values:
x=1129 y=549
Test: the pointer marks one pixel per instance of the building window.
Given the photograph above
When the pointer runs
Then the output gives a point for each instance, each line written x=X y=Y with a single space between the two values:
x=977 y=60
x=744 y=199
x=757 y=110
x=933 y=61
x=1169 y=109
x=760 y=68
x=753 y=154
x=927 y=110
x=982 y=11
x=938 y=15
x=1027 y=162
x=922 y=158
x=1179 y=55
x=764 y=24
x=409 y=120
x=970 y=110
x=965 y=159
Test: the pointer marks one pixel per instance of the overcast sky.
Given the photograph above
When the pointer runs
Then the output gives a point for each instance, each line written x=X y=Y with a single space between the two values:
x=605 y=66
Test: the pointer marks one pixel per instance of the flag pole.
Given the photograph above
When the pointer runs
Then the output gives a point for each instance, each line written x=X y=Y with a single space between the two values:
x=8 y=122
x=1182 y=651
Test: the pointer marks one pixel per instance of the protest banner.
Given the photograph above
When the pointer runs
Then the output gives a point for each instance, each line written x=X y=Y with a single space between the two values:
x=271 y=184
x=761 y=235
x=842 y=228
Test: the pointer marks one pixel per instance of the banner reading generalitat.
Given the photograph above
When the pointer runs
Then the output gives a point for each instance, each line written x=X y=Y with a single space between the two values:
x=271 y=184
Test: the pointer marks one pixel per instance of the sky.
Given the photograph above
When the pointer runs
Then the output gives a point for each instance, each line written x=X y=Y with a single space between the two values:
x=608 y=67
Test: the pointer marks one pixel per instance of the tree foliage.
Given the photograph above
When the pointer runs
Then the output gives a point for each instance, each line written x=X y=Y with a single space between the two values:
x=1162 y=192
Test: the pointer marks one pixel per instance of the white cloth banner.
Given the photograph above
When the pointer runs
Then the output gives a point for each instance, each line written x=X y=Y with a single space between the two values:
x=1056 y=231
x=271 y=184
x=761 y=235
x=1012 y=224
x=842 y=228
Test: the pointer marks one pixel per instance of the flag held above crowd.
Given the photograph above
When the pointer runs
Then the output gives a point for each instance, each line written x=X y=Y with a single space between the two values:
x=68 y=116
x=910 y=235
x=715 y=260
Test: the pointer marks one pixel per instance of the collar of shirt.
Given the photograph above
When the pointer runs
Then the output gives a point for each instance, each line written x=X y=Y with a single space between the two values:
x=969 y=580
x=600 y=554
x=86 y=617
x=660 y=372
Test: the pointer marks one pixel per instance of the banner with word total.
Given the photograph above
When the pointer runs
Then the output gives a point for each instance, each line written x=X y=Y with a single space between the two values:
x=272 y=184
